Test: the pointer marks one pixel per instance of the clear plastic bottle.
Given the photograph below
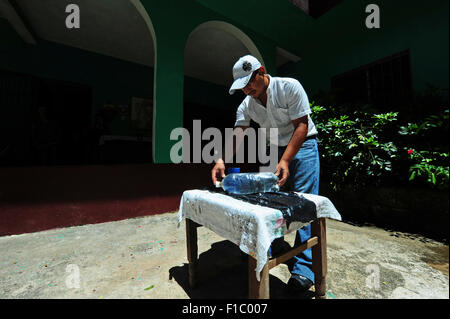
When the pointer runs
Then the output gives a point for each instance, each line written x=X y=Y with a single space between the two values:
x=249 y=183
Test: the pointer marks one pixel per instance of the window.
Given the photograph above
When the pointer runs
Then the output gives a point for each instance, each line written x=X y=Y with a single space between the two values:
x=316 y=8
x=383 y=83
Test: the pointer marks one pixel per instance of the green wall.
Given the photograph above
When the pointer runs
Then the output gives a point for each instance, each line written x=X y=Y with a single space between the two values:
x=171 y=36
x=421 y=28
x=336 y=42
x=111 y=79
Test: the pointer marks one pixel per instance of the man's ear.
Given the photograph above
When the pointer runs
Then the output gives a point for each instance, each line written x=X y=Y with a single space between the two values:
x=262 y=70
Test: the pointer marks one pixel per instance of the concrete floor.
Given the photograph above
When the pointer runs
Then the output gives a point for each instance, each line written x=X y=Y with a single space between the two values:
x=146 y=258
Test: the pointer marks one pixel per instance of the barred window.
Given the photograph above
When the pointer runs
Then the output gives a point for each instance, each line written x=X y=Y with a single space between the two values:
x=383 y=83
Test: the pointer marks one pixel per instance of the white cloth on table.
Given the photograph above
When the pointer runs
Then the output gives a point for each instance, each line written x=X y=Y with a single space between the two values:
x=251 y=227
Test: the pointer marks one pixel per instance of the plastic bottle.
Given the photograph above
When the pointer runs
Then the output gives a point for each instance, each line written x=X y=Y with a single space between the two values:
x=230 y=170
x=249 y=183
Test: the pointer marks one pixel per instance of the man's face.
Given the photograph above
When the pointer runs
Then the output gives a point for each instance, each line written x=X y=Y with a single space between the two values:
x=255 y=86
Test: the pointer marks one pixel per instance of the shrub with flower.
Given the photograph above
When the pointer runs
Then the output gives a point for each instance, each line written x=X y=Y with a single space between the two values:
x=360 y=148
x=429 y=164
x=431 y=167
x=352 y=146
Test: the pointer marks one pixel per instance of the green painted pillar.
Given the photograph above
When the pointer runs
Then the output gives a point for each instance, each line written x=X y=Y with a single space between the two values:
x=168 y=96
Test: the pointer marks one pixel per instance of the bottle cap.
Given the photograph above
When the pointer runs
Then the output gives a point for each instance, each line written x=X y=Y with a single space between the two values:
x=232 y=170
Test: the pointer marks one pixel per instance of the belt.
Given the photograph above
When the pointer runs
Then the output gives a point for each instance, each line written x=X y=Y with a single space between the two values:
x=311 y=137
x=307 y=138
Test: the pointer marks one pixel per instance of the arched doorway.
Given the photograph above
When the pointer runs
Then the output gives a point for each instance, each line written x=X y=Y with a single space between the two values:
x=84 y=84
x=210 y=53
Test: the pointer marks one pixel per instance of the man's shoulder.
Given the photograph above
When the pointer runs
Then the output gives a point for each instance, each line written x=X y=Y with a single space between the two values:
x=287 y=85
x=245 y=102
x=279 y=79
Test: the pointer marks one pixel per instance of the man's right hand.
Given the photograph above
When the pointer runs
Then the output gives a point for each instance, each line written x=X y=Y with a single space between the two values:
x=218 y=171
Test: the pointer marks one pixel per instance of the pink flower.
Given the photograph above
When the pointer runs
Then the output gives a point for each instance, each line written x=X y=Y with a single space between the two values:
x=410 y=151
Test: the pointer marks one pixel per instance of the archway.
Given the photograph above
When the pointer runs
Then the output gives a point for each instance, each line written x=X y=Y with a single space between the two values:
x=96 y=65
x=210 y=53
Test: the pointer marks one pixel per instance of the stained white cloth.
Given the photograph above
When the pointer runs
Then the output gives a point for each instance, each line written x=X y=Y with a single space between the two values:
x=286 y=101
x=251 y=227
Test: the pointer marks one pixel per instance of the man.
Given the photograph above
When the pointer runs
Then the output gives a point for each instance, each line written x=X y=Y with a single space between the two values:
x=281 y=103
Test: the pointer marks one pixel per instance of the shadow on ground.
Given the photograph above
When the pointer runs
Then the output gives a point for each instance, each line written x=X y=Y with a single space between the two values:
x=400 y=231
x=223 y=274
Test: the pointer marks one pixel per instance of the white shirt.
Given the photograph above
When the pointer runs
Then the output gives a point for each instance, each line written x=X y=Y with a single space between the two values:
x=286 y=101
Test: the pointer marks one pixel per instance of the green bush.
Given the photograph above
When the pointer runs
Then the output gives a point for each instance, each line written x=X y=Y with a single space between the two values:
x=426 y=143
x=427 y=166
x=363 y=147
x=353 y=148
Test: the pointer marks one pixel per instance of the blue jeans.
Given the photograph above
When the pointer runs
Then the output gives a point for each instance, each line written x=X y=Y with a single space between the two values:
x=304 y=173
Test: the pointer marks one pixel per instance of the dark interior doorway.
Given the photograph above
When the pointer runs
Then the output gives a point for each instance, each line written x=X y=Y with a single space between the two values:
x=44 y=121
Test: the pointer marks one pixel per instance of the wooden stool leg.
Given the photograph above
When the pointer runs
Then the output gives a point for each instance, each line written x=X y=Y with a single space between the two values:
x=258 y=289
x=319 y=256
x=192 y=251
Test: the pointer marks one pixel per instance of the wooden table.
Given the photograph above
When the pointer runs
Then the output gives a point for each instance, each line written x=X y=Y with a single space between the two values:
x=260 y=289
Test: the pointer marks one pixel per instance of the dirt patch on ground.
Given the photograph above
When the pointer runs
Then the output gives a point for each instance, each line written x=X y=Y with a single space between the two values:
x=438 y=259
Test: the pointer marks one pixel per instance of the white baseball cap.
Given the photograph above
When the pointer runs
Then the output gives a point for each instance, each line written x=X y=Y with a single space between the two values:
x=242 y=71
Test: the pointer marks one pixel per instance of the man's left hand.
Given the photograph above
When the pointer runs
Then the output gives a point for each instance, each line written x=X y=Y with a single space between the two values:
x=283 y=168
